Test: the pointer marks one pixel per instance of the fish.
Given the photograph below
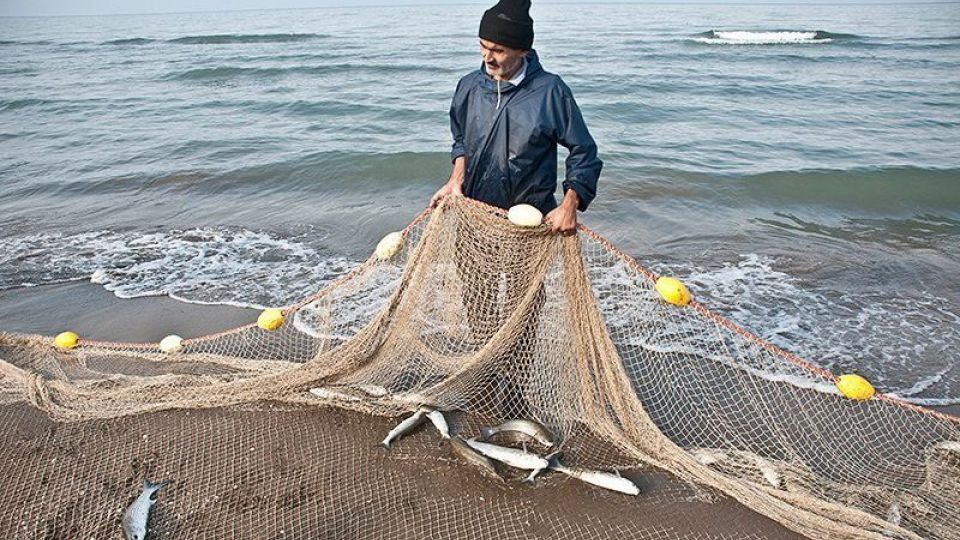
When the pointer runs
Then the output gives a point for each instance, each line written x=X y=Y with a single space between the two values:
x=327 y=393
x=893 y=514
x=439 y=421
x=707 y=456
x=134 y=522
x=403 y=428
x=613 y=482
x=471 y=456
x=513 y=457
x=536 y=472
x=769 y=472
x=373 y=390
x=528 y=428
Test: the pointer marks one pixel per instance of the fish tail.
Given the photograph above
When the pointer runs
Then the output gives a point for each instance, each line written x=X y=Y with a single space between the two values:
x=532 y=478
x=553 y=461
x=486 y=433
x=152 y=487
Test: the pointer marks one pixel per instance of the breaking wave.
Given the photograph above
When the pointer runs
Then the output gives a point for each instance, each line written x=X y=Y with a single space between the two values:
x=210 y=265
x=753 y=37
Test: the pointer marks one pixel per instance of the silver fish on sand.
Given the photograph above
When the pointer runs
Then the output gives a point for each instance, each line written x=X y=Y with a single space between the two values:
x=613 y=482
x=404 y=427
x=134 y=522
x=536 y=472
x=471 y=456
x=438 y=420
x=528 y=428
x=520 y=459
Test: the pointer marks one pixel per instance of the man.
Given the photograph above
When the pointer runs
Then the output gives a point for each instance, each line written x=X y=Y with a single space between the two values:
x=507 y=119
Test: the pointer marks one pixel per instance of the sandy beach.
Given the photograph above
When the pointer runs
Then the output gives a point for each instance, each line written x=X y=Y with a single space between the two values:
x=279 y=454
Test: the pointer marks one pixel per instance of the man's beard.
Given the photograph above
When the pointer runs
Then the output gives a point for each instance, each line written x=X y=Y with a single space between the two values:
x=500 y=70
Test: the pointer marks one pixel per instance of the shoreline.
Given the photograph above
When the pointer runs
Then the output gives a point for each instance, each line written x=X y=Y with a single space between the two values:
x=95 y=313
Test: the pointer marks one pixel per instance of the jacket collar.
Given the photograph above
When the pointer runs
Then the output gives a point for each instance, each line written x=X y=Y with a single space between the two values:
x=533 y=68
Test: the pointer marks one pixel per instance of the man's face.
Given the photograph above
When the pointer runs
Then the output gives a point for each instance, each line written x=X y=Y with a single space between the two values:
x=501 y=62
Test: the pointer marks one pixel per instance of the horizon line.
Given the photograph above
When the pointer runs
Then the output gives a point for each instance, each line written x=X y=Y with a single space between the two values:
x=428 y=3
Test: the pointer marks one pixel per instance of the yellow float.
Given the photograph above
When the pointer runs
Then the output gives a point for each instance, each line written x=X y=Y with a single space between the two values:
x=66 y=340
x=673 y=291
x=270 y=319
x=855 y=387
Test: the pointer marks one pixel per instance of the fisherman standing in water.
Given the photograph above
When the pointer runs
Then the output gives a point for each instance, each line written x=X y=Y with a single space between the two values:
x=507 y=119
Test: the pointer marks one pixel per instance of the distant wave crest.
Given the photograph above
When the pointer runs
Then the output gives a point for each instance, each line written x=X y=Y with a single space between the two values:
x=220 y=39
x=770 y=37
x=223 y=73
x=215 y=39
x=129 y=41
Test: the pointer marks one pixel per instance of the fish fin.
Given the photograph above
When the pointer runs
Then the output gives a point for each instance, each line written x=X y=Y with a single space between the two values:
x=486 y=433
x=553 y=460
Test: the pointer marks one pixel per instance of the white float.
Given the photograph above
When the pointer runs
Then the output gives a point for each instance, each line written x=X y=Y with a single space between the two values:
x=524 y=215
x=171 y=344
x=389 y=246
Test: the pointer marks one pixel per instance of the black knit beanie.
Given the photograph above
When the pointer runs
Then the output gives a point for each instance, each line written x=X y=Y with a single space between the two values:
x=509 y=24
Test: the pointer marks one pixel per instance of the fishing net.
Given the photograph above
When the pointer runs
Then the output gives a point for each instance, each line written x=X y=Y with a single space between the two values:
x=488 y=321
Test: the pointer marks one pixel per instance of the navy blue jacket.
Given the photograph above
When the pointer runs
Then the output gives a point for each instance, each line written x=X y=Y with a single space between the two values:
x=511 y=152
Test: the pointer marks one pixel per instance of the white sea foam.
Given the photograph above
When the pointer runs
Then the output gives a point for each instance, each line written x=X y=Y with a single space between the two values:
x=227 y=266
x=885 y=337
x=744 y=37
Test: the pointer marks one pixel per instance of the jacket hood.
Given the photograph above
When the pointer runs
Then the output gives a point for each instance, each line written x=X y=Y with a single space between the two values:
x=533 y=68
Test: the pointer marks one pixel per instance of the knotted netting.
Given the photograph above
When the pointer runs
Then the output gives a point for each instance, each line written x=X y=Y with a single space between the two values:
x=488 y=321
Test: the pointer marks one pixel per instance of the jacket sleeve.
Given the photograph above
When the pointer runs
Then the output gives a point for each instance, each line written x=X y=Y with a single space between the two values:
x=583 y=165
x=457 y=115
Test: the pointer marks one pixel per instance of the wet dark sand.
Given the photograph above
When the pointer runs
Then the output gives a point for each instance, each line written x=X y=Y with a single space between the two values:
x=315 y=473
x=94 y=313
x=291 y=473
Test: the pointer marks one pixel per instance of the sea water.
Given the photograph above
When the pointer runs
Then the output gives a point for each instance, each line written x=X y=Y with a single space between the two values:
x=798 y=166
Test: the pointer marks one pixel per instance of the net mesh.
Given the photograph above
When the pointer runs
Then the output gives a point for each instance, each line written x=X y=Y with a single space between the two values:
x=488 y=321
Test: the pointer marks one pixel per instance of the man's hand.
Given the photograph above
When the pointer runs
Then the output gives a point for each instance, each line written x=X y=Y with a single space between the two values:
x=454 y=185
x=450 y=188
x=563 y=219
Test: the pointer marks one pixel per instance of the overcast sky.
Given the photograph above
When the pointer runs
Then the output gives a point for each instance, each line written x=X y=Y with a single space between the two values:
x=92 y=7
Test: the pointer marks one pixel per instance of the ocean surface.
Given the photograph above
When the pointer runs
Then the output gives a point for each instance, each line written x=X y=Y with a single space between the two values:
x=799 y=166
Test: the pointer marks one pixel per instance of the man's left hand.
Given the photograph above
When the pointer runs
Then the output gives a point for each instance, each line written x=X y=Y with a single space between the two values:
x=563 y=219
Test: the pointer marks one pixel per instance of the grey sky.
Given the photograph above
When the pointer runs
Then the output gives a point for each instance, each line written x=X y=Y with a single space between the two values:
x=91 y=7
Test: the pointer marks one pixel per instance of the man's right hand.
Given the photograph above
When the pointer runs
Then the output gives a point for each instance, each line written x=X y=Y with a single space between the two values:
x=450 y=188
x=454 y=185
